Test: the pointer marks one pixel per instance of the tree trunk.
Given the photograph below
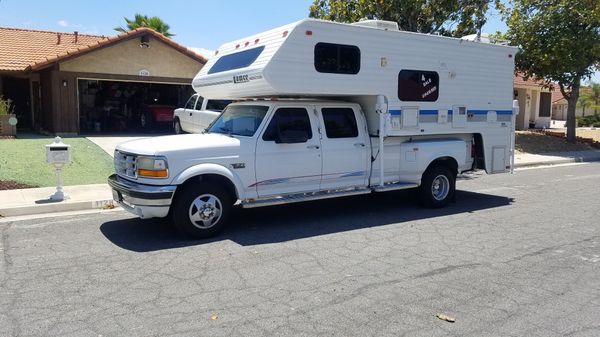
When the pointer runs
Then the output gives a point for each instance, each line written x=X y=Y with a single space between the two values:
x=572 y=105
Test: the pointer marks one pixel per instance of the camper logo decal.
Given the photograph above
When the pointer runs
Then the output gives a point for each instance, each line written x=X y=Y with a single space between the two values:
x=240 y=79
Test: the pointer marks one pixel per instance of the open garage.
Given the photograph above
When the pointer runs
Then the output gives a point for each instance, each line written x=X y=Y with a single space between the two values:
x=118 y=106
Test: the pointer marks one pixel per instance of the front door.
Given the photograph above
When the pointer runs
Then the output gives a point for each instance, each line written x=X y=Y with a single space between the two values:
x=344 y=147
x=288 y=154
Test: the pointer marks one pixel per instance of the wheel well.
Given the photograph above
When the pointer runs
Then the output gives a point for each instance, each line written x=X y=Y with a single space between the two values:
x=214 y=178
x=448 y=162
x=479 y=155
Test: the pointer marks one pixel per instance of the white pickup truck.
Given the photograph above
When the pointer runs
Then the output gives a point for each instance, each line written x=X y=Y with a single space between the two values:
x=197 y=114
x=271 y=152
x=328 y=110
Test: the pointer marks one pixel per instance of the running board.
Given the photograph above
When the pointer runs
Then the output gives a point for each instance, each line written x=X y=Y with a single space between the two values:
x=394 y=187
x=303 y=197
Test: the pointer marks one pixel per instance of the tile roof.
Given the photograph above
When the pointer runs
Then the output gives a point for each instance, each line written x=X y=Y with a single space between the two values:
x=24 y=49
x=520 y=80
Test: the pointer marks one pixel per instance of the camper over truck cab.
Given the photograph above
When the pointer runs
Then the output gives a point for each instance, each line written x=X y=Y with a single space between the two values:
x=328 y=110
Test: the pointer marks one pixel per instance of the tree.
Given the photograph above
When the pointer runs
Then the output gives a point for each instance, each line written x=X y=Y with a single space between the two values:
x=593 y=95
x=154 y=23
x=560 y=44
x=444 y=17
x=584 y=101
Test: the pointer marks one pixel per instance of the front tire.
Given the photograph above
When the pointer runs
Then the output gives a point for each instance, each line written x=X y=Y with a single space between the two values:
x=438 y=186
x=201 y=210
x=177 y=127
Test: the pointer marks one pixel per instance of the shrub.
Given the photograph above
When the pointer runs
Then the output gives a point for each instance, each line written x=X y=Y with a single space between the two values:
x=588 y=120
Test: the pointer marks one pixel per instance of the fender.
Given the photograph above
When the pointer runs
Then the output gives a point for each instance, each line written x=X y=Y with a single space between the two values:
x=208 y=168
x=455 y=149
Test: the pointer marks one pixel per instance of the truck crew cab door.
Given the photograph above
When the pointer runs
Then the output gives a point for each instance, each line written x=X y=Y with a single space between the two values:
x=288 y=153
x=344 y=147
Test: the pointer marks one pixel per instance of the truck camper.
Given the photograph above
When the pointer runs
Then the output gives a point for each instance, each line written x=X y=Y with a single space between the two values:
x=325 y=110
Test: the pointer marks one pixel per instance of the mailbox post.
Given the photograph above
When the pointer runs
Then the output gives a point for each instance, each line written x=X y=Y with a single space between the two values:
x=58 y=154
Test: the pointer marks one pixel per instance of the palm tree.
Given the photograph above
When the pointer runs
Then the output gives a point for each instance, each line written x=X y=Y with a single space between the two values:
x=154 y=23
x=594 y=95
x=584 y=101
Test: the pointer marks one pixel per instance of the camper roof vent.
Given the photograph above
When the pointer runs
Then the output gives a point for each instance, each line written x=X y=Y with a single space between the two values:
x=379 y=24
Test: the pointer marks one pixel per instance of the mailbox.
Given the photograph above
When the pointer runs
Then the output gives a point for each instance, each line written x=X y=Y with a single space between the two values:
x=58 y=153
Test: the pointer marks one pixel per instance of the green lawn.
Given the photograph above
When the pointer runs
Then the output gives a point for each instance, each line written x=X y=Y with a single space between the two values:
x=24 y=161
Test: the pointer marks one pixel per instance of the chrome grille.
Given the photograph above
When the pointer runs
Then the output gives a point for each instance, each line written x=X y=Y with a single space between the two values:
x=125 y=164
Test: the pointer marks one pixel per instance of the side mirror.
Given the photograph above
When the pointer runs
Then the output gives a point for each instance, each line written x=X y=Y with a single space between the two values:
x=291 y=137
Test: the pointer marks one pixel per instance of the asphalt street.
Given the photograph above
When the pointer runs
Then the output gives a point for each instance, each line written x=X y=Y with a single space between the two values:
x=515 y=255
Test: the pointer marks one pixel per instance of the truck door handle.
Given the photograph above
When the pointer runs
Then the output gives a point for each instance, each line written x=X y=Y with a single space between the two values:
x=312 y=147
x=190 y=114
x=359 y=144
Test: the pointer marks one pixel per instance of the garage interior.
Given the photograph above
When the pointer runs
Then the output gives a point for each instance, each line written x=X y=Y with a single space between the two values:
x=117 y=106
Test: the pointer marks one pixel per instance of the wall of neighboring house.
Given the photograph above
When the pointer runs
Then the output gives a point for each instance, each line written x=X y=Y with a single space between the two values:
x=529 y=107
x=559 y=110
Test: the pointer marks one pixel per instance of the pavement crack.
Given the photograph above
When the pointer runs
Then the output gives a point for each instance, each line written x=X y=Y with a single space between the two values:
x=5 y=246
x=552 y=249
x=448 y=269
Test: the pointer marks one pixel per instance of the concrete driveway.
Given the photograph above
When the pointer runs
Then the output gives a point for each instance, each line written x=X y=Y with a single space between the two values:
x=108 y=143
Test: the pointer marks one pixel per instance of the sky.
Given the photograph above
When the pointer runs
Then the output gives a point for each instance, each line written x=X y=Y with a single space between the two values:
x=199 y=24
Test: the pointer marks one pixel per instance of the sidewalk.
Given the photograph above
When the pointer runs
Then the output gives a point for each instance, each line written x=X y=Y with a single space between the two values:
x=84 y=197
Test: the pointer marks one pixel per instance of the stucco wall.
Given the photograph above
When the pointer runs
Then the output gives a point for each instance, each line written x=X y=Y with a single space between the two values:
x=127 y=58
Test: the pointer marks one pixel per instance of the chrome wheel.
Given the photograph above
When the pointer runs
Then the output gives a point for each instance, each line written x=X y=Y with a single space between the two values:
x=205 y=211
x=440 y=187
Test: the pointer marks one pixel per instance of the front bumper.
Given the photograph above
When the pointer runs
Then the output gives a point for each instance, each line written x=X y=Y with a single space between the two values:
x=145 y=201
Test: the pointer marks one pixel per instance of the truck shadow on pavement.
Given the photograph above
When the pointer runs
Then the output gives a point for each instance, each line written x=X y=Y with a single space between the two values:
x=297 y=221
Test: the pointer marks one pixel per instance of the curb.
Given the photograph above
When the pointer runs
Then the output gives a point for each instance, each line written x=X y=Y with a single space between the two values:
x=57 y=207
x=559 y=161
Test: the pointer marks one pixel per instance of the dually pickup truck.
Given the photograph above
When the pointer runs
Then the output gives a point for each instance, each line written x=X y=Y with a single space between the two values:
x=263 y=153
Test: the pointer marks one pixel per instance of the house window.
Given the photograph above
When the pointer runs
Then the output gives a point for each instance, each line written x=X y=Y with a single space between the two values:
x=237 y=60
x=418 y=85
x=337 y=58
x=340 y=123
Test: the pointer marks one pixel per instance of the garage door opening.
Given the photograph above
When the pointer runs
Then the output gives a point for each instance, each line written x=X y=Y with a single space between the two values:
x=117 y=107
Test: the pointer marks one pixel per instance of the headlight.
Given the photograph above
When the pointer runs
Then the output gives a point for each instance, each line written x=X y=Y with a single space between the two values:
x=152 y=167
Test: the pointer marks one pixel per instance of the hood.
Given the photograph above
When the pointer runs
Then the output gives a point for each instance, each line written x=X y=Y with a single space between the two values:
x=190 y=144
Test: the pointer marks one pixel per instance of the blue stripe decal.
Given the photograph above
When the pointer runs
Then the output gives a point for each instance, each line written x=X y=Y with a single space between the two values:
x=398 y=112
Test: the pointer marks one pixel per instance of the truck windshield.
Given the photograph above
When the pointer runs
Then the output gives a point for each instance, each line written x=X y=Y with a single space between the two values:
x=240 y=120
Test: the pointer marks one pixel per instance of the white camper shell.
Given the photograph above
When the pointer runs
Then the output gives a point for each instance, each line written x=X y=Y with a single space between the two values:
x=431 y=85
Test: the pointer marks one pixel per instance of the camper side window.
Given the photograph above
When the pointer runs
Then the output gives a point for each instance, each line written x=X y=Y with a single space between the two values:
x=337 y=58
x=418 y=85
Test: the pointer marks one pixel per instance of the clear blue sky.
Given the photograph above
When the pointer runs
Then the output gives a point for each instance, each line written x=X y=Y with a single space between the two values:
x=197 y=23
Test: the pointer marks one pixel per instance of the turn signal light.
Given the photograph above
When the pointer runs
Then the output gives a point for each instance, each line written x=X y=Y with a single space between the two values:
x=153 y=173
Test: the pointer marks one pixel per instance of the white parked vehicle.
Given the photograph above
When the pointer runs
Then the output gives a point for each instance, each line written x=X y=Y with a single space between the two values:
x=328 y=110
x=197 y=114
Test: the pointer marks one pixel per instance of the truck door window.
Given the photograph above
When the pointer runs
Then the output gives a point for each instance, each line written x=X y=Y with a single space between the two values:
x=190 y=103
x=340 y=122
x=199 y=103
x=288 y=120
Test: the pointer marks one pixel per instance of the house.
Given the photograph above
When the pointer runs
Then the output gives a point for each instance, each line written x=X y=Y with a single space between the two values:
x=560 y=104
x=534 y=103
x=69 y=83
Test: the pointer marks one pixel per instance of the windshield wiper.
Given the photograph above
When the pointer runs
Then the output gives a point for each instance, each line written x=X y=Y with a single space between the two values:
x=227 y=130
